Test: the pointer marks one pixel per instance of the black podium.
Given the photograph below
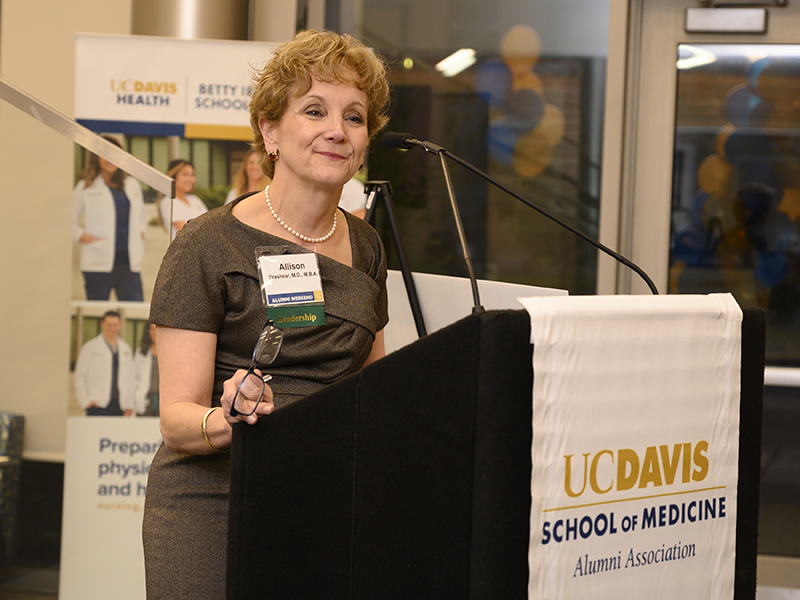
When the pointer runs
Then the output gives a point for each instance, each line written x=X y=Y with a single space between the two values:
x=411 y=479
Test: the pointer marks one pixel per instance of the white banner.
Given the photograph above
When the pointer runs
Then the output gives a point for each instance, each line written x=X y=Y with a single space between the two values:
x=157 y=86
x=635 y=446
x=105 y=478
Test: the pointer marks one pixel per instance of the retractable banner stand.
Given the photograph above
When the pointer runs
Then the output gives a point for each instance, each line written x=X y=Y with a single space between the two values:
x=136 y=86
x=635 y=446
x=105 y=479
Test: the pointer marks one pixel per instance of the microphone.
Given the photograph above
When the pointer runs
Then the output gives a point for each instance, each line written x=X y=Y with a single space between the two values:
x=398 y=140
x=408 y=141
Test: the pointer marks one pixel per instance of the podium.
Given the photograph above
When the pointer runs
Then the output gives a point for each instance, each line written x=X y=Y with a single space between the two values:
x=411 y=479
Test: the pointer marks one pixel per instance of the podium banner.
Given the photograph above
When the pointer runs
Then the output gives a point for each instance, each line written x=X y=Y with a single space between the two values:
x=635 y=446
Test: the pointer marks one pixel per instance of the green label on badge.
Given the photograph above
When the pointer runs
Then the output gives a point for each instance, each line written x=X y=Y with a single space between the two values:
x=297 y=316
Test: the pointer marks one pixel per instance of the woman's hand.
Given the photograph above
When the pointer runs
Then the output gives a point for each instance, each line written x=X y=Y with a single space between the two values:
x=186 y=383
x=88 y=238
x=249 y=393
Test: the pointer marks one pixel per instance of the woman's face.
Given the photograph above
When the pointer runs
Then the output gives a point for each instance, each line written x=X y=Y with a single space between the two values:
x=252 y=168
x=107 y=169
x=184 y=179
x=322 y=134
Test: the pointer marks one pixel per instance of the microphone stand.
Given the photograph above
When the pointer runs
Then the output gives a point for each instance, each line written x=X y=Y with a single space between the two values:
x=372 y=189
x=407 y=141
x=477 y=308
x=631 y=265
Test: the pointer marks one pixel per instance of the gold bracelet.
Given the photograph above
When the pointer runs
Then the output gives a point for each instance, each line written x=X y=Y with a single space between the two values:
x=203 y=429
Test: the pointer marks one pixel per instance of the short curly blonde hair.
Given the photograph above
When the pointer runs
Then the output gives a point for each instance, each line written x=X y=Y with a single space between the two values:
x=323 y=55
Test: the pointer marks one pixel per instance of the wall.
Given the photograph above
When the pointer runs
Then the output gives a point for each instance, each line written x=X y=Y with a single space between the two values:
x=36 y=171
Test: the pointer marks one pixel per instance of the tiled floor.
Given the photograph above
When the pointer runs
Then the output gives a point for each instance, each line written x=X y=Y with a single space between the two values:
x=29 y=583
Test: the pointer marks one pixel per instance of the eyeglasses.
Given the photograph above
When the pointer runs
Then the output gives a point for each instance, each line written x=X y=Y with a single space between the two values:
x=267 y=348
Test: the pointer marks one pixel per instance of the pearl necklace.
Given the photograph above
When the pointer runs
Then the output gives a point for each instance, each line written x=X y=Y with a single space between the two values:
x=292 y=231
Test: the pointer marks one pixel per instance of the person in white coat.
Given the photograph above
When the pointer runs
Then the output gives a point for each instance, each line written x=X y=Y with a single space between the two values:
x=104 y=372
x=109 y=223
x=185 y=205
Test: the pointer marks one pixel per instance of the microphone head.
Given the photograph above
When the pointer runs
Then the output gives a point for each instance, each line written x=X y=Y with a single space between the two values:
x=398 y=140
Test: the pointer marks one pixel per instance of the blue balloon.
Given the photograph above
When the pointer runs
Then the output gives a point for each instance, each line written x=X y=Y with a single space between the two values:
x=692 y=243
x=771 y=268
x=740 y=106
x=503 y=136
x=744 y=147
x=525 y=106
x=493 y=81
x=754 y=72
x=763 y=172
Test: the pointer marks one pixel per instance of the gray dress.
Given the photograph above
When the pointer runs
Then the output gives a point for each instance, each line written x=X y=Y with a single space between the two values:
x=209 y=282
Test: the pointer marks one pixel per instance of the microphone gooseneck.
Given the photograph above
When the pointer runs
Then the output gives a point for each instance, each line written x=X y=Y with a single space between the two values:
x=408 y=141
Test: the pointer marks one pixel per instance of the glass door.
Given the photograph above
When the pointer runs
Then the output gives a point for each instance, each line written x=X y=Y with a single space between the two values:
x=711 y=203
x=735 y=206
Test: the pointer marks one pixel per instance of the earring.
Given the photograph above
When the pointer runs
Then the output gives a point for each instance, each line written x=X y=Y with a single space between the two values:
x=273 y=155
x=361 y=166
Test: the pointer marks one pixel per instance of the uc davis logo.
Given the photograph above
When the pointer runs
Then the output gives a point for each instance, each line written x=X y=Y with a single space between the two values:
x=659 y=467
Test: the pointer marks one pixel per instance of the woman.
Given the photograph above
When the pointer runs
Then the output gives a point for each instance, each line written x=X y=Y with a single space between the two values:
x=108 y=221
x=145 y=374
x=185 y=205
x=316 y=104
x=249 y=177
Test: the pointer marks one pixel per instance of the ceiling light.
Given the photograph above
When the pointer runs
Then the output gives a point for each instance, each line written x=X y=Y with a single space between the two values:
x=456 y=62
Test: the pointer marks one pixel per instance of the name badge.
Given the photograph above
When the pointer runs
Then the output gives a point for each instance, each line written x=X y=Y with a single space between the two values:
x=291 y=286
